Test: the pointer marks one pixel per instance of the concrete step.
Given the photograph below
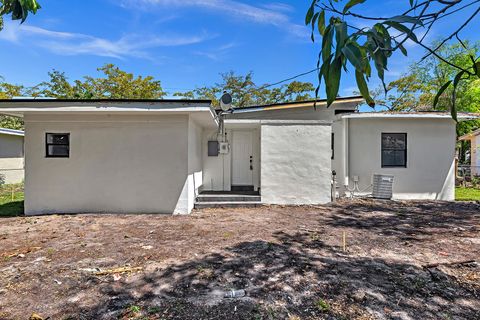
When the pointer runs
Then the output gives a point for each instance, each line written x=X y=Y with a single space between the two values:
x=229 y=204
x=228 y=198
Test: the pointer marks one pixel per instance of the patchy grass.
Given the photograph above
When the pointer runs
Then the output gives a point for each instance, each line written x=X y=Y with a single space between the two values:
x=467 y=194
x=11 y=205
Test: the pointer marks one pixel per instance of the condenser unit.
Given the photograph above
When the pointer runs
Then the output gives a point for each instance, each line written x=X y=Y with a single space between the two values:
x=382 y=186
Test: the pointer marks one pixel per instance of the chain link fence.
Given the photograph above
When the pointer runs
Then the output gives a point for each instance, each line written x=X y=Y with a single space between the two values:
x=11 y=192
x=11 y=186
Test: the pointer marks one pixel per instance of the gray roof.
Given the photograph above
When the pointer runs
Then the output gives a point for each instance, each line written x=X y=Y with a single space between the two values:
x=12 y=132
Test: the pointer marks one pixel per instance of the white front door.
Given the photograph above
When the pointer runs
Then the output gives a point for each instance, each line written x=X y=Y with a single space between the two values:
x=242 y=158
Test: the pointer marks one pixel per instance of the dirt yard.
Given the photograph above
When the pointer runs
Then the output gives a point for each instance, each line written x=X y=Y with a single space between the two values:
x=403 y=260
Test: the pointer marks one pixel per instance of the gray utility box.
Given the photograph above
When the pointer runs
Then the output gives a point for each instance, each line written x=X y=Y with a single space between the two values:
x=382 y=186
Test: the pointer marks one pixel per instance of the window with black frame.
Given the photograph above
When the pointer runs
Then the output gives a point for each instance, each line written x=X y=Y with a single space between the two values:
x=57 y=145
x=394 y=150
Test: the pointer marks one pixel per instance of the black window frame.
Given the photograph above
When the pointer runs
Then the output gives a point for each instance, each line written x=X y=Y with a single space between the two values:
x=47 y=144
x=394 y=149
x=333 y=145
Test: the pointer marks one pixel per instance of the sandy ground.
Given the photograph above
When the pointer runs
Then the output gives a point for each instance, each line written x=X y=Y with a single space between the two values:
x=403 y=260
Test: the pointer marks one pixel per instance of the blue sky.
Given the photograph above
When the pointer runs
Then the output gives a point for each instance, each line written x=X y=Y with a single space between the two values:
x=183 y=43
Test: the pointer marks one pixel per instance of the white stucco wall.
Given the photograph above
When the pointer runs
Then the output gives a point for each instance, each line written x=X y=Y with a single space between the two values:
x=217 y=173
x=296 y=163
x=430 y=156
x=195 y=162
x=11 y=159
x=117 y=164
x=216 y=170
x=321 y=112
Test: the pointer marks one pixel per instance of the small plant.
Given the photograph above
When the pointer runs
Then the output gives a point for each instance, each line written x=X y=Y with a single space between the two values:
x=314 y=236
x=322 y=305
x=135 y=309
x=205 y=272
x=227 y=235
x=271 y=313
x=154 y=310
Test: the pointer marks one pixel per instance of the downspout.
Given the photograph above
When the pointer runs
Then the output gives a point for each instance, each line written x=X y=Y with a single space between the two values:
x=346 y=150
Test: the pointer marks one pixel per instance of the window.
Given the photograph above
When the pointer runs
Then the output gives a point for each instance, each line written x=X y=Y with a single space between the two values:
x=394 y=150
x=333 y=145
x=57 y=145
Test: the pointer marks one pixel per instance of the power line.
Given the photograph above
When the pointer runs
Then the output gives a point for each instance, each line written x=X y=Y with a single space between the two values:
x=264 y=86
x=288 y=79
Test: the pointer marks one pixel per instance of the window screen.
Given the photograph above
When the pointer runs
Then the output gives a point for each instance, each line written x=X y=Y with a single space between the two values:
x=394 y=150
x=57 y=145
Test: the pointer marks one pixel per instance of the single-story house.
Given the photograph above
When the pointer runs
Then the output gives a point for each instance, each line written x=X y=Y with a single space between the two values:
x=157 y=156
x=474 y=138
x=11 y=156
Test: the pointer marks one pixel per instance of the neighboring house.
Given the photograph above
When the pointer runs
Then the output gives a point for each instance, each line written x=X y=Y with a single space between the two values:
x=156 y=156
x=474 y=138
x=11 y=156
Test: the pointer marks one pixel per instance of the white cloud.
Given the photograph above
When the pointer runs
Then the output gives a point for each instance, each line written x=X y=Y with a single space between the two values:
x=67 y=43
x=219 y=52
x=270 y=14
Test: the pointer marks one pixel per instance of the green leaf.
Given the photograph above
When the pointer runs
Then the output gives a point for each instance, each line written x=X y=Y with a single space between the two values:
x=354 y=55
x=457 y=79
x=453 y=110
x=321 y=23
x=477 y=64
x=406 y=19
x=400 y=27
x=402 y=48
x=333 y=80
x=440 y=92
x=380 y=65
x=340 y=36
x=350 y=4
x=327 y=42
x=363 y=87
x=310 y=12
x=315 y=17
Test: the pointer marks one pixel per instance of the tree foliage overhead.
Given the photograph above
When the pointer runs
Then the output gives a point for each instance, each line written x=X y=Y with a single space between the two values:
x=18 y=9
x=369 y=48
x=115 y=84
x=246 y=92
x=8 y=91
x=416 y=90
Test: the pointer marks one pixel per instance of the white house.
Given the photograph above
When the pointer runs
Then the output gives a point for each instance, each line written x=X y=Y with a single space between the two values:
x=156 y=156
x=474 y=138
x=11 y=156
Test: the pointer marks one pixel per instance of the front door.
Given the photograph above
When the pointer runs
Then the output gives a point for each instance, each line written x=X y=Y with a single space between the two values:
x=242 y=158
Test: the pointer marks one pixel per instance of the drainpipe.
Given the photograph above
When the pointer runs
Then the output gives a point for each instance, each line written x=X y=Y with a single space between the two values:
x=346 y=148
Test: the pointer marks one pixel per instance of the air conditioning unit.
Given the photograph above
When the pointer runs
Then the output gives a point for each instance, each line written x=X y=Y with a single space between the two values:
x=224 y=147
x=382 y=186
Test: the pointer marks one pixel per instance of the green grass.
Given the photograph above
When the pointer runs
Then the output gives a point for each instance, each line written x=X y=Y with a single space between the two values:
x=10 y=207
x=467 y=194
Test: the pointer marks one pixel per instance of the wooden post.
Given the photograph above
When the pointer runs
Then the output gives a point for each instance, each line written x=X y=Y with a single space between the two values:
x=13 y=192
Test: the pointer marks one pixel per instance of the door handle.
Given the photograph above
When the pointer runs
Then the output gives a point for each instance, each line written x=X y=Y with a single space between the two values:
x=251 y=163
